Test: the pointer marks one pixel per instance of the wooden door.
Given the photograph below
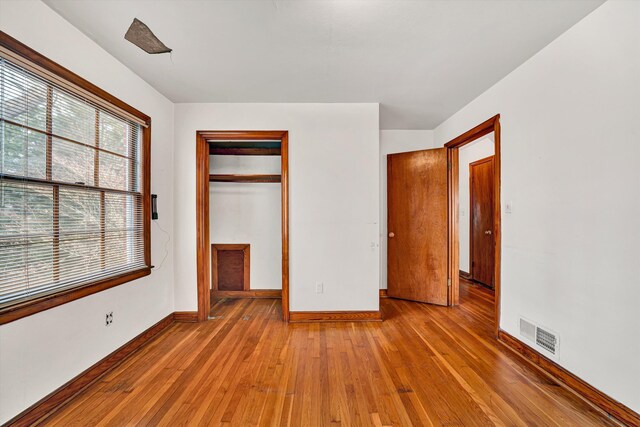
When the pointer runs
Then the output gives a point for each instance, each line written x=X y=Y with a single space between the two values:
x=482 y=231
x=417 y=226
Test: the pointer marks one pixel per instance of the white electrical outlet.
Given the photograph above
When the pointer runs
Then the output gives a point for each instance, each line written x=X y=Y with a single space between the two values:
x=319 y=288
x=108 y=318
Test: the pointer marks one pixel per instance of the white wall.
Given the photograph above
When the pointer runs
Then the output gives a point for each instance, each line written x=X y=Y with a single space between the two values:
x=395 y=141
x=334 y=197
x=570 y=150
x=478 y=149
x=249 y=213
x=41 y=352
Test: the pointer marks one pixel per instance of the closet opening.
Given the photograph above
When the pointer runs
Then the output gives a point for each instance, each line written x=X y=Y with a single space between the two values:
x=242 y=217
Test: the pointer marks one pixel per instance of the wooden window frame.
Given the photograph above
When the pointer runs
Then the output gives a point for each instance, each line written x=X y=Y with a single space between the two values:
x=45 y=302
x=203 y=247
x=245 y=248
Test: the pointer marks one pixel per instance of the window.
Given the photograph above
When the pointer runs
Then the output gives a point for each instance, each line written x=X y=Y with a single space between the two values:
x=73 y=187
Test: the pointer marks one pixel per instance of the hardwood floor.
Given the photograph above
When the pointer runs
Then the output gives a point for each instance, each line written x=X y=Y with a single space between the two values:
x=423 y=366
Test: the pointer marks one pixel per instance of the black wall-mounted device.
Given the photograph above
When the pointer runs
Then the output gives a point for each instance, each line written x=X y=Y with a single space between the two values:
x=154 y=206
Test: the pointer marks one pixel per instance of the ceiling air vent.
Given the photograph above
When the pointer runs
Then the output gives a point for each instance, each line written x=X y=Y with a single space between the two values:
x=546 y=340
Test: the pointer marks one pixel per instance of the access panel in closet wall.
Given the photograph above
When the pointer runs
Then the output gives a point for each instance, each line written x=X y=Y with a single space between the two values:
x=230 y=266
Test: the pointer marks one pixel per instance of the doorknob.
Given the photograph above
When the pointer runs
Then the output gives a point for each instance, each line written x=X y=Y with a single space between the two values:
x=487 y=232
x=392 y=234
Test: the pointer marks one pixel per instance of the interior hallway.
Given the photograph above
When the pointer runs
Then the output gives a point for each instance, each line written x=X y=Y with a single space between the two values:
x=424 y=365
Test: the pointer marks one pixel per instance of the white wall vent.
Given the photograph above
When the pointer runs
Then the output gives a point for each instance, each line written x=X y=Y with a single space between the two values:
x=539 y=337
x=527 y=329
x=547 y=340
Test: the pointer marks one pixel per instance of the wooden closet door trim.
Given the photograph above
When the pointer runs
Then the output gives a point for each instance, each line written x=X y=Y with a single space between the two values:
x=203 y=242
x=245 y=248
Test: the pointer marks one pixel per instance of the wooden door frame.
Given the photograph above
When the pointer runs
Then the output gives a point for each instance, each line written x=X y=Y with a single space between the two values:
x=471 y=198
x=203 y=245
x=453 y=147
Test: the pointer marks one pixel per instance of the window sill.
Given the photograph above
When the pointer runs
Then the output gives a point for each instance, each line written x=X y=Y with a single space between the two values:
x=27 y=308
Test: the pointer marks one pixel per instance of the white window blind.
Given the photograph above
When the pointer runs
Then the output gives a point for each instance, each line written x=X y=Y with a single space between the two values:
x=71 y=208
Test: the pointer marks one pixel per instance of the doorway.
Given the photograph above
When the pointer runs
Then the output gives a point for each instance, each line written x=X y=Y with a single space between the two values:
x=475 y=210
x=423 y=194
x=237 y=143
x=489 y=225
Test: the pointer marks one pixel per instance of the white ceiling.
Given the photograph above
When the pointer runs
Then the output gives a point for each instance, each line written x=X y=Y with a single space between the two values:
x=422 y=60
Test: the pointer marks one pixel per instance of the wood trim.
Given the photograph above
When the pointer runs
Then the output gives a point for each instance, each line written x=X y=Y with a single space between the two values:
x=202 y=210
x=224 y=151
x=482 y=129
x=49 y=133
x=239 y=135
x=335 y=316
x=56 y=236
x=202 y=227
x=497 y=220
x=284 y=188
x=231 y=246
x=571 y=381
x=146 y=192
x=26 y=52
x=453 y=146
x=471 y=200
x=244 y=178
x=103 y=234
x=481 y=161
x=245 y=248
x=252 y=293
x=465 y=275
x=27 y=308
x=383 y=293
x=45 y=407
x=454 y=229
x=185 y=316
x=65 y=184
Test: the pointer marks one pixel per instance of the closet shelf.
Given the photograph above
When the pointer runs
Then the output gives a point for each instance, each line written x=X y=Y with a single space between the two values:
x=244 y=178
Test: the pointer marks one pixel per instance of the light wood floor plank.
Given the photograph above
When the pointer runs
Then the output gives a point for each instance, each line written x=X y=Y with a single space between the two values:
x=424 y=366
